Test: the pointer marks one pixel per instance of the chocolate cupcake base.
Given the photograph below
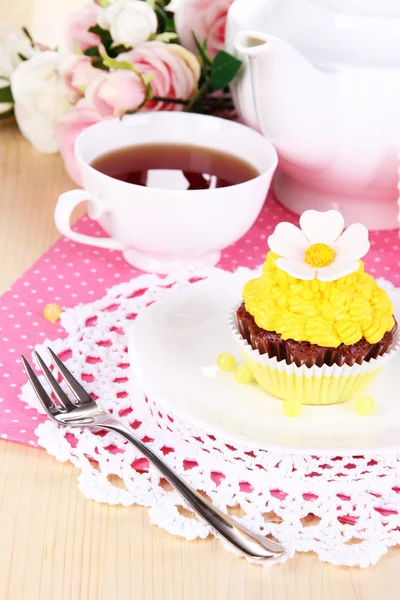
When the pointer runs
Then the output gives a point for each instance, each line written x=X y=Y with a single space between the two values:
x=304 y=353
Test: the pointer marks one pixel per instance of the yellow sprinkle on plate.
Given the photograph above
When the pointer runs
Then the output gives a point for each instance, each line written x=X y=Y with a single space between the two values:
x=291 y=408
x=226 y=361
x=243 y=374
x=365 y=405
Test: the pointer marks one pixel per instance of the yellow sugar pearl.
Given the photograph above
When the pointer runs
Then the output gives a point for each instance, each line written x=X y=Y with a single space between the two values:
x=226 y=361
x=365 y=405
x=243 y=374
x=291 y=408
x=52 y=312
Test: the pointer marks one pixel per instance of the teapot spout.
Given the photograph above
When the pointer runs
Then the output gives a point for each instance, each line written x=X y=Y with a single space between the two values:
x=294 y=100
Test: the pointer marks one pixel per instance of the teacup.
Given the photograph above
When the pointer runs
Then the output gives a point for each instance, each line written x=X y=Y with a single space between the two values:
x=161 y=229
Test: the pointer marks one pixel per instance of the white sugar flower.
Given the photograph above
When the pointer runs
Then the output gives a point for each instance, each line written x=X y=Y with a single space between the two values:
x=131 y=22
x=320 y=248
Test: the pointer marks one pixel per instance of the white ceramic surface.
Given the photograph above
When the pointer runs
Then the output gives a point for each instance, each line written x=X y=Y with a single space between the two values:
x=158 y=229
x=173 y=346
x=326 y=86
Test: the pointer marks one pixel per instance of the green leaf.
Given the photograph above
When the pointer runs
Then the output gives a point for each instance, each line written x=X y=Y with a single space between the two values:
x=112 y=49
x=224 y=69
x=166 y=37
x=113 y=63
x=105 y=3
x=92 y=51
x=161 y=18
x=97 y=63
x=104 y=35
x=170 y=24
x=202 y=49
x=7 y=114
x=77 y=50
x=98 y=30
x=147 y=77
x=28 y=35
x=115 y=51
x=6 y=94
x=195 y=102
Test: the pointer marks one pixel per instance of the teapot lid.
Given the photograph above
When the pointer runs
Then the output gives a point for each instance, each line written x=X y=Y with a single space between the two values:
x=329 y=33
x=376 y=8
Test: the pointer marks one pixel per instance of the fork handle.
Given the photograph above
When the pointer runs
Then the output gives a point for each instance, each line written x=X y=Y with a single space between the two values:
x=256 y=547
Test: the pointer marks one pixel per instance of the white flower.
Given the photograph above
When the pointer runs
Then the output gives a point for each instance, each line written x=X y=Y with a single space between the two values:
x=12 y=45
x=319 y=249
x=131 y=22
x=40 y=99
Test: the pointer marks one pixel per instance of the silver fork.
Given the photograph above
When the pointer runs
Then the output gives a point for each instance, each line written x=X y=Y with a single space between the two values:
x=84 y=412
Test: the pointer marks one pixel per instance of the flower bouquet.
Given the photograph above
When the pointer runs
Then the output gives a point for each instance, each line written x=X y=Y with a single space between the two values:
x=120 y=57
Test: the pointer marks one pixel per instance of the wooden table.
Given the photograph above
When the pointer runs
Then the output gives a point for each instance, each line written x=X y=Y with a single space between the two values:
x=55 y=544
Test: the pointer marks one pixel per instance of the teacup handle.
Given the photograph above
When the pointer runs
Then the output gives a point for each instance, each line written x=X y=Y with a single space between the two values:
x=62 y=215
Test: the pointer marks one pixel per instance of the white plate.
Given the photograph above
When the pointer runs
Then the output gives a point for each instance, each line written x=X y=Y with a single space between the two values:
x=173 y=347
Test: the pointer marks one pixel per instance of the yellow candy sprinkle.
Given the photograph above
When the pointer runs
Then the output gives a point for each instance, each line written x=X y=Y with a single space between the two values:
x=291 y=408
x=52 y=312
x=226 y=361
x=365 y=405
x=319 y=255
x=243 y=374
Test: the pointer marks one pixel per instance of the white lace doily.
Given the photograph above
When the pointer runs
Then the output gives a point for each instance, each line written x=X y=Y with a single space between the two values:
x=346 y=509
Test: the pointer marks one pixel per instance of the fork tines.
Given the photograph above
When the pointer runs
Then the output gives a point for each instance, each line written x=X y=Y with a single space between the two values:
x=82 y=397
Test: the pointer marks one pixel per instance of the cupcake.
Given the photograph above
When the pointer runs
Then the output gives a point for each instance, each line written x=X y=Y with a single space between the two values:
x=315 y=326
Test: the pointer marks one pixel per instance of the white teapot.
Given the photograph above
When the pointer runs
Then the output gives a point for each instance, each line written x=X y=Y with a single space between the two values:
x=322 y=82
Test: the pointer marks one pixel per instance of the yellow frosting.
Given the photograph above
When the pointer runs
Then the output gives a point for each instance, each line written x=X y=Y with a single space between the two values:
x=324 y=313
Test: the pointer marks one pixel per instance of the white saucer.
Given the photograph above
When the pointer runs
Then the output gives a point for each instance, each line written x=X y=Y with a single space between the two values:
x=173 y=347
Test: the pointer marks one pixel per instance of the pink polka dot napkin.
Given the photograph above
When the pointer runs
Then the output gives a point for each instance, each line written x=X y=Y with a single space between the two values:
x=71 y=273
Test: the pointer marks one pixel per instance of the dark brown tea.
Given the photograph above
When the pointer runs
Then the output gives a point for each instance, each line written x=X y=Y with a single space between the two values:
x=173 y=166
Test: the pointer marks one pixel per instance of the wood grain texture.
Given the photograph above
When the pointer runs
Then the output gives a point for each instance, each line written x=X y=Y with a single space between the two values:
x=54 y=544
x=30 y=185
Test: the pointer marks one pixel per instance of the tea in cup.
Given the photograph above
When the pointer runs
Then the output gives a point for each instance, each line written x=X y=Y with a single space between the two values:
x=169 y=188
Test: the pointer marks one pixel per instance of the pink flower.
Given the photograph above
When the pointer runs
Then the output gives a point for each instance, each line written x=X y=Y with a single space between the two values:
x=77 y=72
x=113 y=94
x=77 y=34
x=175 y=71
x=67 y=130
x=207 y=19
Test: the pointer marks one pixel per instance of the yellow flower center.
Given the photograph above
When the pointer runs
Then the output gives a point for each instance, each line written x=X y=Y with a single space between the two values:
x=319 y=255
